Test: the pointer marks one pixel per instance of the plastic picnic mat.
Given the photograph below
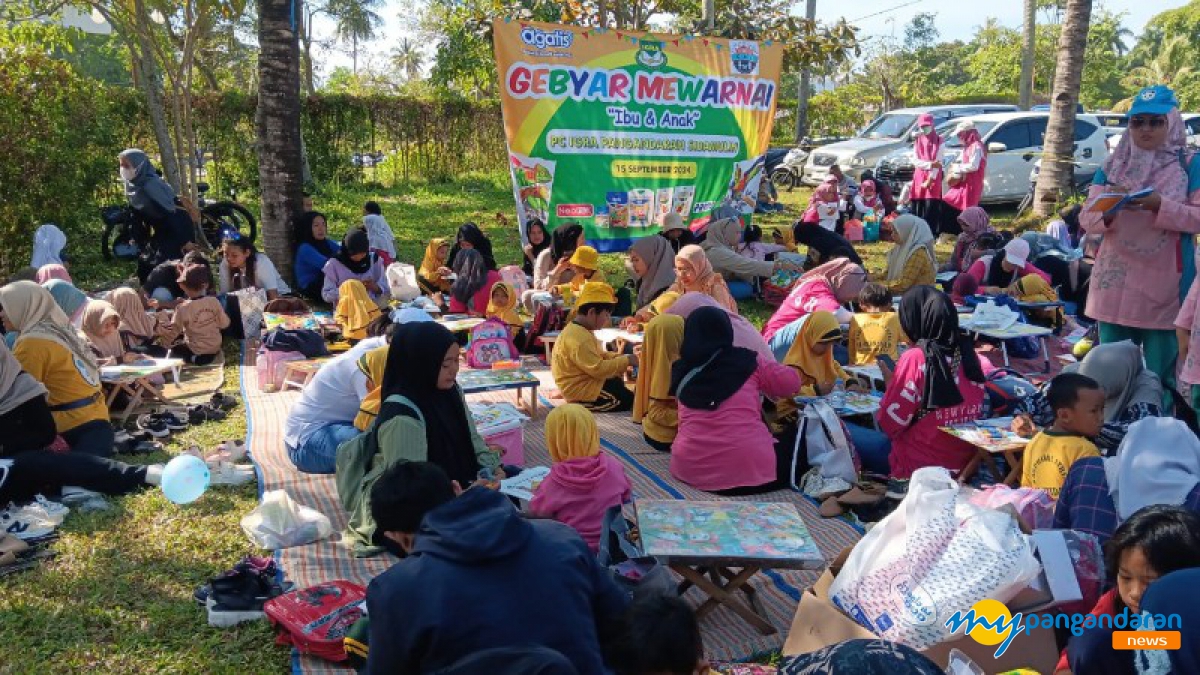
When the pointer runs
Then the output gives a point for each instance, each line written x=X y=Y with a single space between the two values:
x=726 y=636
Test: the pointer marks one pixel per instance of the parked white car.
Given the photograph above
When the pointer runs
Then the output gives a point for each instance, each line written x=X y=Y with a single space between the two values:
x=1014 y=141
x=887 y=132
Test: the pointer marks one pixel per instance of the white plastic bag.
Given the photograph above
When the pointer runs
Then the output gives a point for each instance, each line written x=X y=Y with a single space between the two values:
x=251 y=302
x=935 y=555
x=402 y=281
x=822 y=436
x=279 y=522
x=990 y=316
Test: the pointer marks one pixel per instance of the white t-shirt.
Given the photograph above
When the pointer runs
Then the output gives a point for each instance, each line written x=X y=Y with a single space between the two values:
x=266 y=276
x=334 y=395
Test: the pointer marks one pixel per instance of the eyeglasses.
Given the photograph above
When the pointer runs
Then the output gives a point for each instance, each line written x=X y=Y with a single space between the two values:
x=1154 y=122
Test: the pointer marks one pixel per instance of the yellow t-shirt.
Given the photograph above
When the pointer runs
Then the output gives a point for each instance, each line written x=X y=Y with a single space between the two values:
x=1049 y=457
x=872 y=335
x=55 y=366
x=580 y=366
x=569 y=291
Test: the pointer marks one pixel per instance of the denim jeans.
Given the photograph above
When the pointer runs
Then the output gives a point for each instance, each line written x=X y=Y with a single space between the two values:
x=318 y=452
x=873 y=448
x=162 y=294
x=740 y=290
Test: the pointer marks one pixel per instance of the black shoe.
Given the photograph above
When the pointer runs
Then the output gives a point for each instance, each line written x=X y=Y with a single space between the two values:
x=171 y=421
x=223 y=401
x=153 y=425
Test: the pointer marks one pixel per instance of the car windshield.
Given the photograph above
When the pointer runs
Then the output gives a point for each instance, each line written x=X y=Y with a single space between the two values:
x=949 y=140
x=888 y=126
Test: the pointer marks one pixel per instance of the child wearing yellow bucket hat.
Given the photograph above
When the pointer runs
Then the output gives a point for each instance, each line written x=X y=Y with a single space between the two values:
x=585 y=262
x=585 y=373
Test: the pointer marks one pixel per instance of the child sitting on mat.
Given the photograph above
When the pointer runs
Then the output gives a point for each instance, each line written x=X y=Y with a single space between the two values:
x=1078 y=405
x=585 y=262
x=584 y=481
x=198 y=320
x=101 y=325
x=502 y=306
x=875 y=330
x=585 y=373
x=355 y=310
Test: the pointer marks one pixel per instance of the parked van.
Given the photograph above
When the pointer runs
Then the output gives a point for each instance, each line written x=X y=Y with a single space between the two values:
x=889 y=131
x=1014 y=142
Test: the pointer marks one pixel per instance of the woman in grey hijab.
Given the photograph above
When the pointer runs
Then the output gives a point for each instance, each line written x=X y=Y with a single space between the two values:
x=153 y=200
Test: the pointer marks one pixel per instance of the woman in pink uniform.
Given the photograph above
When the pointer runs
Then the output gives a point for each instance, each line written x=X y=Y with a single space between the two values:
x=925 y=195
x=966 y=179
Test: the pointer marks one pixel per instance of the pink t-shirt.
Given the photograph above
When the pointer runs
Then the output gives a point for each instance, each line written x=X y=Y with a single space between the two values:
x=578 y=492
x=479 y=300
x=812 y=296
x=980 y=268
x=731 y=446
x=920 y=443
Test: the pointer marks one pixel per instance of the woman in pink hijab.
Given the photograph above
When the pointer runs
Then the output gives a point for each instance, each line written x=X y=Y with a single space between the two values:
x=1146 y=263
x=975 y=223
x=966 y=179
x=53 y=271
x=744 y=333
x=925 y=195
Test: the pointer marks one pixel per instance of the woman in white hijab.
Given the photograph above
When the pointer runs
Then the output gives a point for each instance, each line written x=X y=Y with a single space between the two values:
x=379 y=232
x=912 y=261
x=48 y=245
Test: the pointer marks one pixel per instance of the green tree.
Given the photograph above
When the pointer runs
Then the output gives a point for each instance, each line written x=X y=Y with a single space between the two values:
x=357 y=21
x=407 y=59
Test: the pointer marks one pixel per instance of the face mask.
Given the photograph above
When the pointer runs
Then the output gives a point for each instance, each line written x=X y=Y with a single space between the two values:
x=925 y=130
x=128 y=173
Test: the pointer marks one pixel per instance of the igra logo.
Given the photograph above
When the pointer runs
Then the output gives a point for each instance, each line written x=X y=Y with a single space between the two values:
x=543 y=38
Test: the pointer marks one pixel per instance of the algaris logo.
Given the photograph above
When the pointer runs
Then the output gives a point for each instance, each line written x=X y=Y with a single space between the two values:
x=989 y=623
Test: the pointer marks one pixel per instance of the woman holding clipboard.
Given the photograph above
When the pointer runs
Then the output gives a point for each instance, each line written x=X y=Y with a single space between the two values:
x=1146 y=263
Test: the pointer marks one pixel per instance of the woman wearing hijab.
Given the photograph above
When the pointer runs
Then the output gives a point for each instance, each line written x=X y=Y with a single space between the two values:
x=313 y=251
x=936 y=383
x=172 y=229
x=372 y=365
x=553 y=265
x=101 y=326
x=471 y=237
x=138 y=328
x=652 y=265
x=676 y=232
x=739 y=271
x=584 y=481
x=975 y=223
x=432 y=274
x=1158 y=463
x=745 y=335
x=49 y=242
x=47 y=272
x=50 y=350
x=537 y=240
x=966 y=175
x=925 y=195
x=323 y=418
x=823 y=245
x=811 y=355
x=694 y=274
x=423 y=418
x=868 y=202
x=355 y=310
x=653 y=405
x=912 y=261
x=1132 y=392
x=723 y=445
x=825 y=288
x=472 y=289
x=1001 y=270
x=1066 y=228
x=69 y=299
x=1147 y=262
x=1174 y=594
x=383 y=241
x=355 y=261
x=824 y=206
x=27 y=468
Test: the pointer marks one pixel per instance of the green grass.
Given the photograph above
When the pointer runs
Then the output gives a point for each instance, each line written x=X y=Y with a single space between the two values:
x=118 y=598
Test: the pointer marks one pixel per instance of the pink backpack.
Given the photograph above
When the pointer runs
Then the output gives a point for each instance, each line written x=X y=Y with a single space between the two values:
x=272 y=366
x=514 y=276
x=490 y=342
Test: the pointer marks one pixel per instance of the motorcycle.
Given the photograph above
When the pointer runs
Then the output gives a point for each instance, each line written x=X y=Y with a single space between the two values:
x=124 y=235
x=786 y=173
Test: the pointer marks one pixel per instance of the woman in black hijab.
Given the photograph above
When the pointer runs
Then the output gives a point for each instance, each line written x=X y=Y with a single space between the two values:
x=823 y=245
x=356 y=251
x=434 y=424
x=313 y=250
x=539 y=240
x=930 y=320
x=723 y=445
x=471 y=237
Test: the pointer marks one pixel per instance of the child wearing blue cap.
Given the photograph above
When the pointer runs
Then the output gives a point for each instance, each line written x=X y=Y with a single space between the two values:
x=1147 y=261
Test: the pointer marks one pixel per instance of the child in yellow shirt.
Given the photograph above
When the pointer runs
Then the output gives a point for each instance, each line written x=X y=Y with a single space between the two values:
x=1078 y=405
x=585 y=373
x=875 y=329
x=585 y=262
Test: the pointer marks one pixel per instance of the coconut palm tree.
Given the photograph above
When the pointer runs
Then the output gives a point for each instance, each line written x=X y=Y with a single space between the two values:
x=1170 y=64
x=280 y=175
x=1057 y=171
x=408 y=59
x=356 y=21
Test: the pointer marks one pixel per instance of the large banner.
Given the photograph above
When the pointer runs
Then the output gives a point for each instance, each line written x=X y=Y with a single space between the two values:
x=614 y=129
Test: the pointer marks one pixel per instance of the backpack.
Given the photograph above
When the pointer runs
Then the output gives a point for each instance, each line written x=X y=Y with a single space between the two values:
x=402 y=281
x=635 y=573
x=307 y=342
x=1006 y=390
x=827 y=448
x=315 y=620
x=548 y=317
x=514 y=276
x=490 y=342
x=780 y=284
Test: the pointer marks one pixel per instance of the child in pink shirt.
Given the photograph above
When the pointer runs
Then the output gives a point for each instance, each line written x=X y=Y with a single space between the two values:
x=925 y=393
x=583 y=482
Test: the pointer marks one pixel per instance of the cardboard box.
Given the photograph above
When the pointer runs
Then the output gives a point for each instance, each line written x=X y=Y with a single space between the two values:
x=819 y=623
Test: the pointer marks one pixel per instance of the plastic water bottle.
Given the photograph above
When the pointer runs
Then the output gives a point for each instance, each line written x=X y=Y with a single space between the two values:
x=837 y=397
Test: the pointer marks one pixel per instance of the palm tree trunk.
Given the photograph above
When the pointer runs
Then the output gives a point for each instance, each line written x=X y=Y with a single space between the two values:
x=810 y=13
x=1057 y=170
x=1028 y=45
x=278 y=126
x=305 y=29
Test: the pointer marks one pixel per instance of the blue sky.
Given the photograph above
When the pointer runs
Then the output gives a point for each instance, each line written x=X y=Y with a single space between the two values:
x=875 y=18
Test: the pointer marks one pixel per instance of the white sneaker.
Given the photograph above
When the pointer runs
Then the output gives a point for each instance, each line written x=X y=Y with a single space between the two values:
x=20 y=528
x=36 y=512
x=53 y=508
